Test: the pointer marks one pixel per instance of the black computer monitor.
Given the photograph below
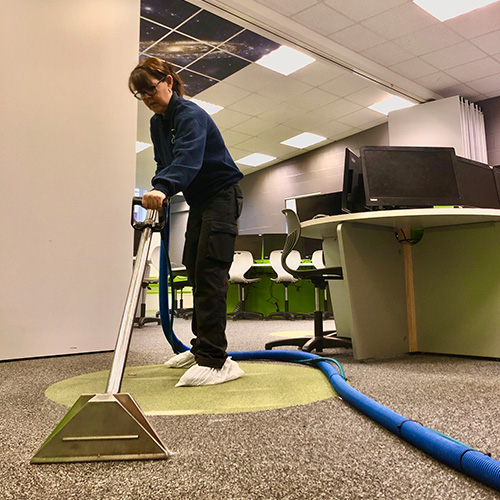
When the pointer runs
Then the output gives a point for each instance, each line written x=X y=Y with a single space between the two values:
x=477 y=184
x=250 y=242
x=353 y=190
x=315 y=205
x=273 y=241
x=400 y=176
x=307 y=246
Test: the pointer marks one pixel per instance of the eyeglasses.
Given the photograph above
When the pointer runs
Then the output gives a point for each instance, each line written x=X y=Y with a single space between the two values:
x=150 y=91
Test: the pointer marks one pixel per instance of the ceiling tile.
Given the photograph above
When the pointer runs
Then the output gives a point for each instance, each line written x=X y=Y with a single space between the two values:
x=331 y=129
x=368 y=96
x=171 y=14
x=284 y=89
x=313 y=98
x=413 y=68
x=195 y=83
x=438 y=81
x=478 y=22
x=150 y=33
x=399 y=21
x=454 y=55
x=280 y=150
x=254 y=126
x=357 y=38
x=461 y=90
x=324 y=114
x=322 y=19
x=429 y=39
x=237 y=153
x=280 y=133
x=289 y=7
x=363 y=118
x=281 y=113
x=253 y=78
x=218 y=64
x=179 y=49
x=253 y=105
x=345 y=84
x=223 y=94
x=249 y=45
x=362 y=9
x=233 y=138
x=256 y=144
x=479 y=68
x=209 y=27
x=306 y=122
x=487 y=85
x=227 y=118
x=490 y=42
x=388 y=54
x=318 y=73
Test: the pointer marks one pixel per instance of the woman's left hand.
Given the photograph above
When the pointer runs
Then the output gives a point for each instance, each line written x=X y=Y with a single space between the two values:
x=153 y=200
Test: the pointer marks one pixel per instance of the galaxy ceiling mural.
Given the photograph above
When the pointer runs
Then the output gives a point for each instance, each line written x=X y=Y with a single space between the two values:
x=204 y=47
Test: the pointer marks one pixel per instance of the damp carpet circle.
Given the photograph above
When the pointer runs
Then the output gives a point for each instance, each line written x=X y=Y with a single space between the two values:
x=265 y=386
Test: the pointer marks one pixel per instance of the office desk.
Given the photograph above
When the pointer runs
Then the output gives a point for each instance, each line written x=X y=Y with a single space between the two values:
x=441 y=295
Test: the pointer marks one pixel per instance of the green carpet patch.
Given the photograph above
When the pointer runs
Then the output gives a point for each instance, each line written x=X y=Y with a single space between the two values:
x=265 y=386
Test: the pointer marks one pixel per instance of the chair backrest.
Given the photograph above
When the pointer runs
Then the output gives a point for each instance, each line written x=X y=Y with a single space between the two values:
x=242 y=262
x=155 y=257
x=292 y=262
x=317 y=259
x=293 y=237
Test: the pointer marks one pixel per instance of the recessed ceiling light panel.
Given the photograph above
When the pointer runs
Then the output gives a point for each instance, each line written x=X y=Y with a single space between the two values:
x=447 y=9
x=210 y=108
x=255 y=159
x=285 y=60
x=392 y=103
x=304 y=140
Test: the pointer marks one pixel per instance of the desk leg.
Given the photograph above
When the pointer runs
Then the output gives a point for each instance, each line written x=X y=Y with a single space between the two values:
x=410 y=297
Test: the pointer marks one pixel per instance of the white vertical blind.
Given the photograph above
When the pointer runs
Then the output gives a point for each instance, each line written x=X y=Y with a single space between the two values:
x=473 y=131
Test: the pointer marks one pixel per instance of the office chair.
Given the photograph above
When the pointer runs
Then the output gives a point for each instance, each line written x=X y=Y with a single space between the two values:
x=242 y=262
x=318 y=263
x=319 y=278
x=142 y=319
x=178 y=285
x=180 y=281
x=285 y=278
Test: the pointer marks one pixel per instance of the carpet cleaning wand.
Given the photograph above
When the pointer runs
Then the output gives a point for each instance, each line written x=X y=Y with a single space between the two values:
x=111 y=426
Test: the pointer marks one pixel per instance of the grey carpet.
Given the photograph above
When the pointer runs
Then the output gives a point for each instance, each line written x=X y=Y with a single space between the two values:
x=321 y=450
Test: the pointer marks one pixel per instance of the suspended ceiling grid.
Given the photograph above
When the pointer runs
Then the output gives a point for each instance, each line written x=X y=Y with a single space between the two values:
x=215 y=51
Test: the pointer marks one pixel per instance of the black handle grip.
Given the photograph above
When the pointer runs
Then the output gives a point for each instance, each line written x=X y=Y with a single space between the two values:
x=155 y=226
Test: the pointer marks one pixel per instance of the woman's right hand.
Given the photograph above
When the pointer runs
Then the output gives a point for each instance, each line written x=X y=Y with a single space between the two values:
x=153 y=200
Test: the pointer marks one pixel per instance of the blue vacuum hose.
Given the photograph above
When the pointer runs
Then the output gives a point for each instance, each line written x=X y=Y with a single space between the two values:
x=443 y=448
x=167 y=280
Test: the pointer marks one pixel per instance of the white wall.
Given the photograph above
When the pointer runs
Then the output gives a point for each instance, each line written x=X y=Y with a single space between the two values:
x=67 y=173
x=436 y=123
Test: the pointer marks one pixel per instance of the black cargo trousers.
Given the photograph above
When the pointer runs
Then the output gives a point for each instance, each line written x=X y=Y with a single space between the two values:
x=208 y=253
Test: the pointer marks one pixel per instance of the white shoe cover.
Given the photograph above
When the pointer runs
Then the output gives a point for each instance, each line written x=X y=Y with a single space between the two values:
x=204 y=375
x=183 y=360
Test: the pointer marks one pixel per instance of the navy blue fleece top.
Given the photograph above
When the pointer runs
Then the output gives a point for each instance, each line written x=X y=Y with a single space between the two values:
x=190 y=153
